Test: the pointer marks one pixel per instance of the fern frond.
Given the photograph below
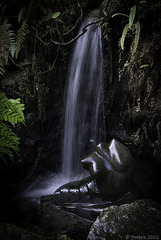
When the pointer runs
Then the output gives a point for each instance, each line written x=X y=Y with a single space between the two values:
x=20 y=14
x=132 y=16
x=11 y=110
x=8 y=37
x=4 y=152
x=21 y=34
x=124 y=36
x=7 y=40
x=137 y=35
x=8 y=142
x=2 y=10
x=2 y=69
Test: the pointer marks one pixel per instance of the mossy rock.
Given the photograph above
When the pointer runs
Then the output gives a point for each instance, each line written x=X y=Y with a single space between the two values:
x=141 y=218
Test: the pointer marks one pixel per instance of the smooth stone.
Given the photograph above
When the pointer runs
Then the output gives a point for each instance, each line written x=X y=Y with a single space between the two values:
x=112 y=166
x=84 y=190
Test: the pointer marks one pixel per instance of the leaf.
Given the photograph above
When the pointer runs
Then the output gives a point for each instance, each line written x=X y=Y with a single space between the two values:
x=21 y=34
x=20 y=14
x=55 y=15
x=144 y=66
x=137 y=35
x=132 y=16
x=11 y=110
x=126 y=63
x=2 y=95
x=124 y=35
x=117 y=14
x=144 y=2
x=7 y=37
x=47 y=18
x=2 y=69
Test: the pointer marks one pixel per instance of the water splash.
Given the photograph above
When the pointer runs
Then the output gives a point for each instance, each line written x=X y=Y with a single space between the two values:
x=46 y=185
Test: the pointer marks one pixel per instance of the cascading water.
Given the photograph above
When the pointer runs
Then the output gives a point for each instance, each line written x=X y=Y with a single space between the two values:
x=82 y=131
x=83 y=99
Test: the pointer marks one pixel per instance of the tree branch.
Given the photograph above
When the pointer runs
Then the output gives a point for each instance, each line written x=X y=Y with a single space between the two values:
x=79 y=35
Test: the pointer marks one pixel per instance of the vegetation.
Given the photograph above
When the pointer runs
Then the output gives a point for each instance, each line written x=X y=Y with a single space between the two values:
x=11 y=113
x=7 y=44
x=130 y=26
x=25 y=41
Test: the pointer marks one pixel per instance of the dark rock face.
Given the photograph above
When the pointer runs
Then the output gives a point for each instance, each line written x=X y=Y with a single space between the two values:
x=10 y=231
x=141 y=218
x=132 y=93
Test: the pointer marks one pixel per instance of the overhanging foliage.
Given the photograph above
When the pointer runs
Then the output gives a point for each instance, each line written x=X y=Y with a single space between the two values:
x=11 y=112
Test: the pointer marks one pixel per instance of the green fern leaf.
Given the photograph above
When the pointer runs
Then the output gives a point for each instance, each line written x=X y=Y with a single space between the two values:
x=137 y=35
x=8 y=141
x=124 y=36
x=132 y=16
x=7 y=37
x=22 y=32
x=11 y=110
x=2 y=69
x=5 y=151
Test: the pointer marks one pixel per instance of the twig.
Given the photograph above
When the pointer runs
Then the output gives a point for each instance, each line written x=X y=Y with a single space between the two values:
x=79 y=35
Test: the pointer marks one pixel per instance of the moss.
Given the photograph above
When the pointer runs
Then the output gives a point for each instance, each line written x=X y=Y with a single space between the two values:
x=133 y=89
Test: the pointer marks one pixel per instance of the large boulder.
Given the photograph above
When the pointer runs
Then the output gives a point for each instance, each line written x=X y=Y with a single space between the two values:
x=75 y=206
x=113 y=167
x=138 y=220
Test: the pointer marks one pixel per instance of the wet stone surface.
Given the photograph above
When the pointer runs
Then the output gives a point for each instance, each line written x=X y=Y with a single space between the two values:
x=55 y=220
x=107 y=201
x=74 y=206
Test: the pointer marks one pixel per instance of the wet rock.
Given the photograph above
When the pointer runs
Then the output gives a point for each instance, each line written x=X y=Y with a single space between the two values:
x=112 y=166
x=9 y=231
x=56 y=221
x=111 y=183
x=138 y=220
x=74 y=206
x=84 y=190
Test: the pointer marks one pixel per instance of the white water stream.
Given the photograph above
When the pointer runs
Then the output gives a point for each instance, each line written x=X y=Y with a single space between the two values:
x=81 y=131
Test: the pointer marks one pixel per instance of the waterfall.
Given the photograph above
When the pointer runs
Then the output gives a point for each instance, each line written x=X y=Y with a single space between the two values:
x=83 y=99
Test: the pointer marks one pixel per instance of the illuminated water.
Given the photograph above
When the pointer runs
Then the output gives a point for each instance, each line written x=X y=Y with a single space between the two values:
x=81 y=131
x=46 y=185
